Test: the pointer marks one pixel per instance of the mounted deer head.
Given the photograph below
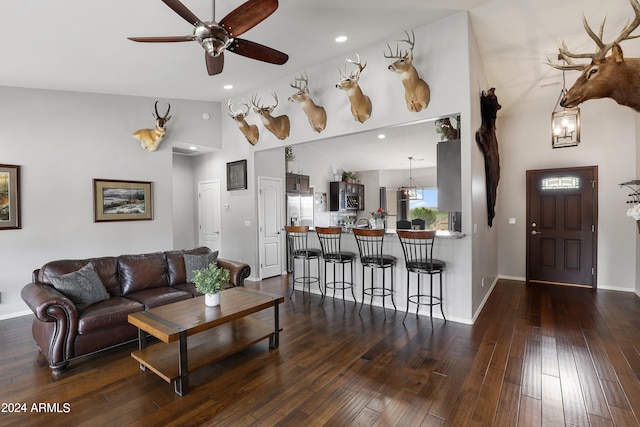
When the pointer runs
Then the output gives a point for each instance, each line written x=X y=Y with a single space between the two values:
x=416 y=91
x=249 y=131
x=606 y=76
x=279 y=126
x=317 y=115
x=360 y=103
x=150 y=138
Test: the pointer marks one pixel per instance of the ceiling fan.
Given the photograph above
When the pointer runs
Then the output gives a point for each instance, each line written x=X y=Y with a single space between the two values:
x=216 y=37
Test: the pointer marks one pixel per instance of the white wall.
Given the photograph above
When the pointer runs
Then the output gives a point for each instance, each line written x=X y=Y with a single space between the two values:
x=608 y=140
x=442 y=58
x=185 y=203
x=62 y=141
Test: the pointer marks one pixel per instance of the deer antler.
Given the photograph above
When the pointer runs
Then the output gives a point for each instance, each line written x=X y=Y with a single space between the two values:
x=603 y=48
x=411 y=40
x=301 y=83
x=357 y=62
x=233 y=113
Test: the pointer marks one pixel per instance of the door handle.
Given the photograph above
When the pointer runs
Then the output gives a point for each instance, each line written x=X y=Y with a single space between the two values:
x=534 y=232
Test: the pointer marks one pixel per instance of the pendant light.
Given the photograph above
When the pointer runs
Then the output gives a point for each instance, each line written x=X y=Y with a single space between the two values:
x=565 y=123
x=410 y=189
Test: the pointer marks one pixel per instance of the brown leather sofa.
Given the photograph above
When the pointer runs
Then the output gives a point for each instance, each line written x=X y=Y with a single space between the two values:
x=133 y=282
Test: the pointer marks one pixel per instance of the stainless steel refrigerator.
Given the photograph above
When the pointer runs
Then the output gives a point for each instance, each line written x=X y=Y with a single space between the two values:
x=300 y=209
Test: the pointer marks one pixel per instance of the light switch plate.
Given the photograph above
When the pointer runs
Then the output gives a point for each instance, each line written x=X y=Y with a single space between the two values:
x=512 y=220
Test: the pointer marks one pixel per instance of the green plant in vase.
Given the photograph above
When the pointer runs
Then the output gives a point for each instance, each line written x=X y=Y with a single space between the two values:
x=210 y=281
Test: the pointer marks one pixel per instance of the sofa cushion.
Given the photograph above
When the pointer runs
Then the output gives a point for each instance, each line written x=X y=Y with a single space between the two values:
x=108 y=313
x=106 y=267
x=82 y=287
x=175 y=263
x=139 y=272
x=155 y=297
x=192 y=263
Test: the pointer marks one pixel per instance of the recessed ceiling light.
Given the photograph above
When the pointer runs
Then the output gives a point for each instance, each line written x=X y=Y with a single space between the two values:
x=228 y=87
x=382 y=136
x=193 y=148
x=341 y=39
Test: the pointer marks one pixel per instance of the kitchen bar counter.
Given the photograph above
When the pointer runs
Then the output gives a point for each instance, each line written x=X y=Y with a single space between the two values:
x=448 y=248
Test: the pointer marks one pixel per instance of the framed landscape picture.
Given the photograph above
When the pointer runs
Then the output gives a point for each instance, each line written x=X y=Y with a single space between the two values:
x=115 y=200
x=9 y=197
x=237 y=175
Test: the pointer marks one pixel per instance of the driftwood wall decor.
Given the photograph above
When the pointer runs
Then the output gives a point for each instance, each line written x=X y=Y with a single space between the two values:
x=488 y=143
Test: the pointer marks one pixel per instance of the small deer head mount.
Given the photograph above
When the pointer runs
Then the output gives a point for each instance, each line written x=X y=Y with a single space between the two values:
x=610 y=76
x=360 y=103
x=249 y=131
x=279 y=126
x=317 y=115
x=416 y=91
x=150 y=138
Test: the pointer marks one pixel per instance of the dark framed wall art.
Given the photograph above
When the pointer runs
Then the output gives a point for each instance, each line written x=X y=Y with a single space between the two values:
x=115 y=200
x=237 y=175
x=9 y=197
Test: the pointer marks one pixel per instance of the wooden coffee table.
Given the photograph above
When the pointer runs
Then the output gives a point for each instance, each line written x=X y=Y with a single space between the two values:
x=213 y=332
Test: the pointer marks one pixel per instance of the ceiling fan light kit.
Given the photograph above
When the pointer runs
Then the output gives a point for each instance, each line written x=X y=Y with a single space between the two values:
x=216 y=37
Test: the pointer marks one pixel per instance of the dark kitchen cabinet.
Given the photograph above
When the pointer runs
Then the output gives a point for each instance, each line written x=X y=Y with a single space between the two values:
x=346 y=196
x=295 y=183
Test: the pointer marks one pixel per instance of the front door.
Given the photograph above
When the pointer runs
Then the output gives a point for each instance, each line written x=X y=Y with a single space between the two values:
x=209 y=223
x=270 y=226
x=562 y=220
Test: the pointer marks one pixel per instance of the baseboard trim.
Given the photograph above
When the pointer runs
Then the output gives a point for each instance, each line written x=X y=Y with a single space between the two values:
x=14 y=315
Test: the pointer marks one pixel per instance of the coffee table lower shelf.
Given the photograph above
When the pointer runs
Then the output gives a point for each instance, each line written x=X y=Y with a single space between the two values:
x=204 y=348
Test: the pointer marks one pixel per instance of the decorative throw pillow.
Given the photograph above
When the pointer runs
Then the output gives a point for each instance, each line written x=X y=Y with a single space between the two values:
x=82 y=287
x=198 y=262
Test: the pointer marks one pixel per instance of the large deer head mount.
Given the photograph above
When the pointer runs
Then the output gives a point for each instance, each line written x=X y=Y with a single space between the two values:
x=279 y=126
x=317 y=115
x=250 y=132
x=150 y=138
x=416 y=91
x=360 y=103
x=605 y=76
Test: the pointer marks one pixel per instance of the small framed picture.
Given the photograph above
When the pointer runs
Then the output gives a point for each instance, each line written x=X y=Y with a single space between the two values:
x=237 y=175
x=9 y=197
x=115 y=200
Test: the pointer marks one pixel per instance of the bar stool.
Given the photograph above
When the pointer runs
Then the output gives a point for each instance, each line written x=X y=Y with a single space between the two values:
x=371 y=256
x=418 y=224
x=298 y=249
x=417 y=246
x=330 y=238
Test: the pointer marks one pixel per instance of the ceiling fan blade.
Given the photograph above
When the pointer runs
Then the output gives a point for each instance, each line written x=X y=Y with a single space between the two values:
x=214 y=63
x=168 y=39
x=257 y=51
x=247 y=16
x=183 y=11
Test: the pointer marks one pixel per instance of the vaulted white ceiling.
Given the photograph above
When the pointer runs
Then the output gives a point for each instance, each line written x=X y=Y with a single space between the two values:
x=80 y=45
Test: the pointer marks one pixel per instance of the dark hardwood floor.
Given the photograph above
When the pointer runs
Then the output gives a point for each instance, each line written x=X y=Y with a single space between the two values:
x=537 y=355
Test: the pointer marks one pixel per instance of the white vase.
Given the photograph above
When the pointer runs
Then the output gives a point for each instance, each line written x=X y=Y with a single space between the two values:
x=379 y=223
x=212 y=300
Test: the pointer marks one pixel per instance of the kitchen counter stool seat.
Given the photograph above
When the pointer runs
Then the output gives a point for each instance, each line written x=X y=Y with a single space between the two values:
x=371 y=256
x=332 y=253
x=297 y=239
x=417 y=247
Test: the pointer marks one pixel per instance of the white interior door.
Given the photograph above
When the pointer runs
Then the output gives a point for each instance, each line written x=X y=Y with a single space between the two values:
x=209 y=214
x=270 y=226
